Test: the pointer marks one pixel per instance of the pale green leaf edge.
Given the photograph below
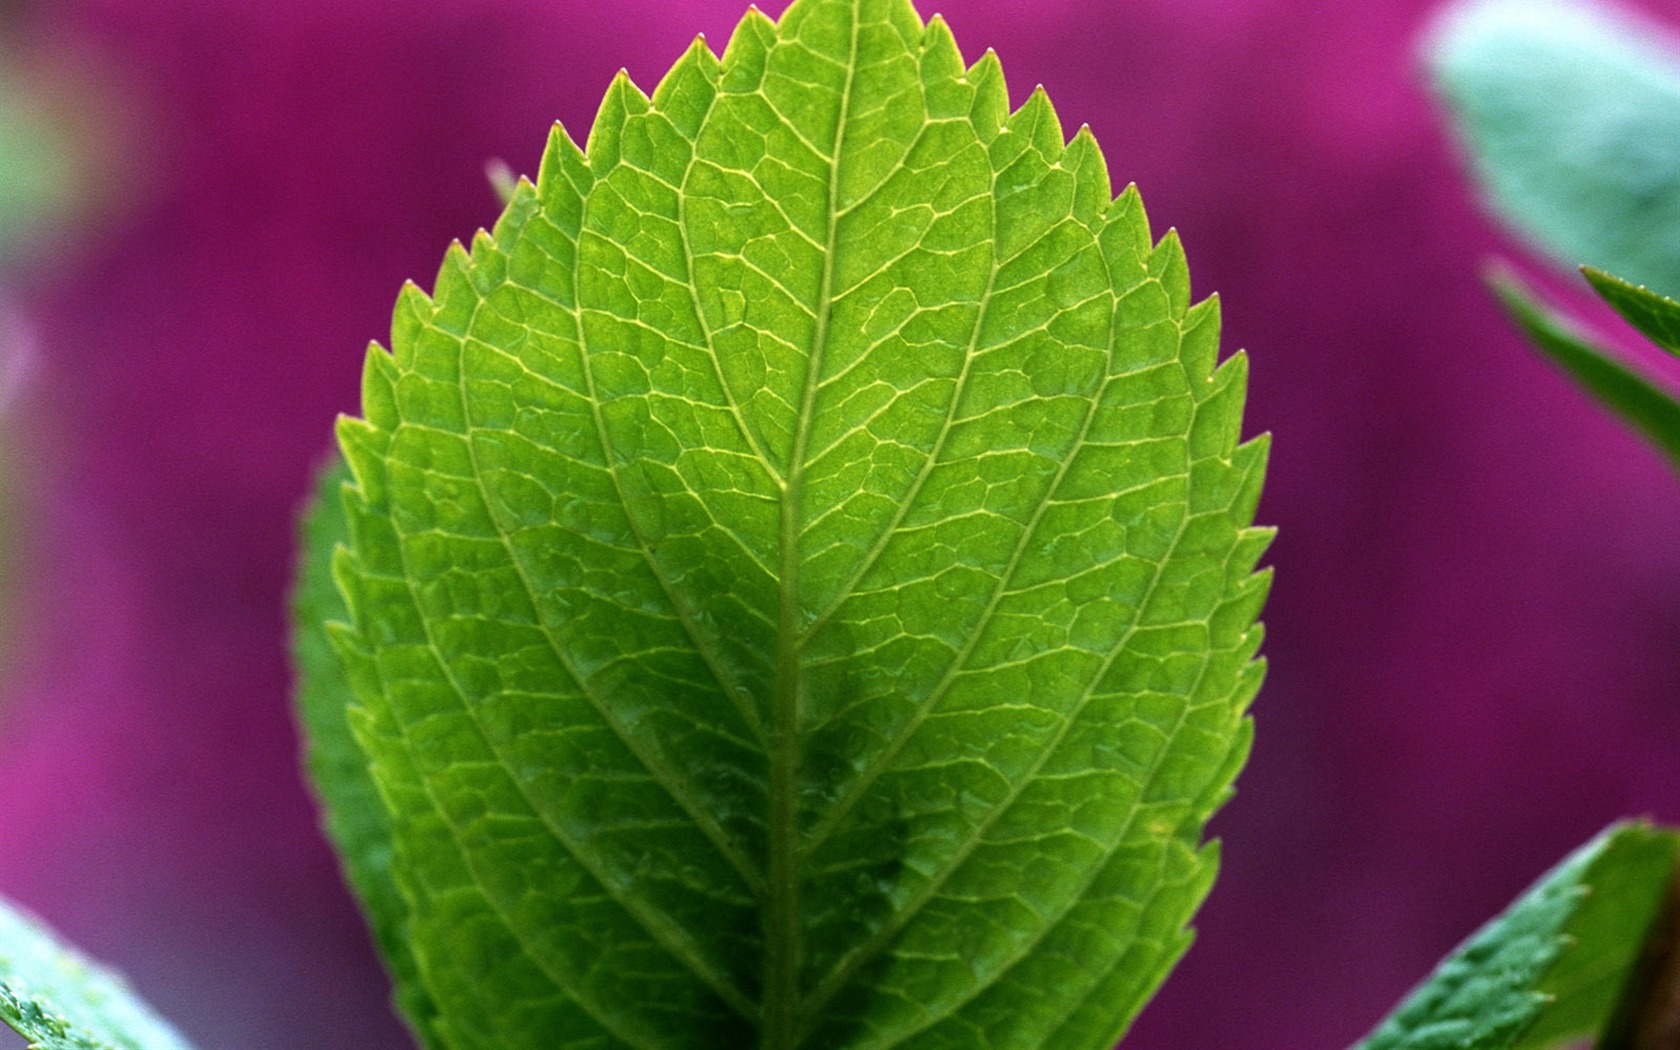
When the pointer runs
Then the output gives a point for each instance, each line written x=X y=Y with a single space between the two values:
x=59 y=1000
x=1554 y=965
x=353 y=816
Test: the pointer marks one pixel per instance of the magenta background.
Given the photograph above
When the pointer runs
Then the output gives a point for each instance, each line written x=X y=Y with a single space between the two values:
x=1474 y=626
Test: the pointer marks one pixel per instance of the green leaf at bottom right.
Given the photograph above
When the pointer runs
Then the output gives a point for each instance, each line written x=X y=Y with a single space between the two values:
x=1556 y=966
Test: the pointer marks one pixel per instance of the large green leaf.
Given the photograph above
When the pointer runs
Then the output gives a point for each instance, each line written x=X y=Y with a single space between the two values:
x=801 y=578
x=1570 y=114
x=58 y=1000
x=1639 y=401
x=1554 y=967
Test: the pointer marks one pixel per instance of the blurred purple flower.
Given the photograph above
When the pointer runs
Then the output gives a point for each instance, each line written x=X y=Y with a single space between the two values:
x=1474 y=629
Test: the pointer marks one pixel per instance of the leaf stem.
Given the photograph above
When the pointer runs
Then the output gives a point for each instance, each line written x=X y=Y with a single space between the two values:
x=784 y=924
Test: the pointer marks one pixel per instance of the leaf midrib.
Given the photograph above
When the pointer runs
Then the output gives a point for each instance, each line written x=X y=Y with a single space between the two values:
x=783 y=942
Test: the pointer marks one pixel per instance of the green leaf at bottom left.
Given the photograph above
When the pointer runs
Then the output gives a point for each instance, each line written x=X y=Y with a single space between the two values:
x=58 y=1000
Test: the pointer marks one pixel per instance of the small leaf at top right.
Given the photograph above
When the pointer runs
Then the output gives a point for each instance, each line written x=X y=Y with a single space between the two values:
x=1639 y=402
x=1657 y=316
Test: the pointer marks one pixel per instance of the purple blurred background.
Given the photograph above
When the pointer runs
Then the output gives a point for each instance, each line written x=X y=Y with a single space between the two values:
x=1476 y=619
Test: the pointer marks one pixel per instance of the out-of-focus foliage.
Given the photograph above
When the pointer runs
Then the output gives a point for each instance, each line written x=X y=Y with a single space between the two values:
x=58 y=1000
x=1554 y=967
x=1642 y=403
x=41 y=177
x=1569 y=112
x=41 y=185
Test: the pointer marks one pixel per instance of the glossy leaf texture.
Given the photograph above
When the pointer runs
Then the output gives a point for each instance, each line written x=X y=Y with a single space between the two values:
x=58 y=1000
x=1569 y=112
x=1638 y=400
x=1553 y=969
x=801 y=576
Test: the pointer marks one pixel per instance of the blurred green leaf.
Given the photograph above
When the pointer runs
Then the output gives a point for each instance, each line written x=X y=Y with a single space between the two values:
x=39 y=180
x=1570 y=114
x=1551 y=969
x=1639 y=401
x=1657 y=316
x=58 y=1000
x=356 y=819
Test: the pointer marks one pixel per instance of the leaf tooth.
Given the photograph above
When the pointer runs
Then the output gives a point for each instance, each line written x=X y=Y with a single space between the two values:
x=411 y=314
x=1037 y=120
x=991 y=96
x=351 y=648
x=1199 y=343
x=1253 y=676
x=379 y=388
x=1250 y=457
x=622 y=101
x=347 y=640
x=364 y=452
x=685 y=93
x=1216 y=427
x=1093 y=193
x=1220 y=788
x=945 y=88
x=1248 y=597
x=1124 y=238
x=563 y=162
x=453 y=295
x=941 y=57
x=1167 y=265
x=1252 y=544
x=748 y=50
x=520 y=204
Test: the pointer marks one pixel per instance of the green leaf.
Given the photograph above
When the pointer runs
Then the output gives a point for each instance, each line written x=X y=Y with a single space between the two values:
x=1553 y=967
x=58 y=1000
x=801 y=578
x=356 y=820
x=1570 y=114
x=40 y=180
x=1640 y=402
x=1657 y=316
